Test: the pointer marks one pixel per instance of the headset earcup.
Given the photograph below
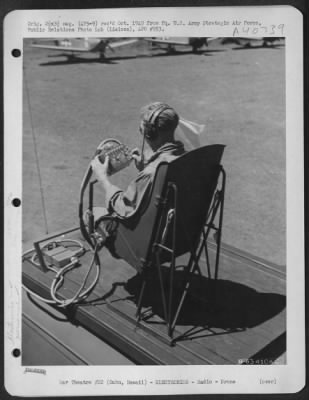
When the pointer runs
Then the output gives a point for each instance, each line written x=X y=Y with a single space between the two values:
x=150 y=125
x=150 y=130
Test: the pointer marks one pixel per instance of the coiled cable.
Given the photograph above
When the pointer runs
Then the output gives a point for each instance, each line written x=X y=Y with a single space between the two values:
x=58 y=280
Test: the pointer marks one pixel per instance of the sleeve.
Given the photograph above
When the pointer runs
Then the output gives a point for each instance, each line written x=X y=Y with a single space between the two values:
x=125 y=203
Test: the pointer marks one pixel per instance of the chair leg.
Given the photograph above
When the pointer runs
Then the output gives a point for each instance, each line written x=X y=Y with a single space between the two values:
x=191 y=268
x=219 y=239
x=180 y=304
x=140 y=299
x=219 y=235
x=206 y=255
x=171 y=294
x=161 y=287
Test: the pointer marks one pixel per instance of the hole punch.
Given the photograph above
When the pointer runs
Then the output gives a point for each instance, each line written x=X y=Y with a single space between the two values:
x=16 y=53
x=16 y=353
x=16 y=202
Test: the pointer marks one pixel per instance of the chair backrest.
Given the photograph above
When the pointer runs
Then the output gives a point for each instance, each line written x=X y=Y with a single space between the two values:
x=195 y=175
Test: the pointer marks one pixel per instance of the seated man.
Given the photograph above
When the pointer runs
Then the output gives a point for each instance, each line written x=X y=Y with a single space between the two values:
x=158 y=124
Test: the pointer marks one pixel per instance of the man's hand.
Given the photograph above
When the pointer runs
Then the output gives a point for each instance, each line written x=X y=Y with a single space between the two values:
x=100 y=170
x=139 y=163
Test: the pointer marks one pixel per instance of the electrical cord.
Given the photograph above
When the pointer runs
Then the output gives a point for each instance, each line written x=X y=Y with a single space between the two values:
x=82 y=225
x=84 y=184
x=58 y=280
x=80 y=294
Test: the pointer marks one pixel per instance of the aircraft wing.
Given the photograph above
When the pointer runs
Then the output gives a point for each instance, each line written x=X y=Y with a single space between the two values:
x=177 y=41
x=62 y=48
x=181 y=41
x=250 y=38
x=86 y=47
x=113 y=45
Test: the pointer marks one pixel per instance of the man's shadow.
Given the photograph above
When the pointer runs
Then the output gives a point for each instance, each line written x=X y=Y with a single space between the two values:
x=222 y=304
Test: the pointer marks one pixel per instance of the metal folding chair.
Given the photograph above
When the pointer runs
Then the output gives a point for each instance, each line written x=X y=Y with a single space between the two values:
x=186 y=204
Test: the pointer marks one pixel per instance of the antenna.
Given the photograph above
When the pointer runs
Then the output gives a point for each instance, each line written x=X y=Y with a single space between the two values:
x=36 y=151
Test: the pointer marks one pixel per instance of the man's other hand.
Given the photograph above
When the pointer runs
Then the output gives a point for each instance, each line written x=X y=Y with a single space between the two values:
x=100 y=170
x=138 y=159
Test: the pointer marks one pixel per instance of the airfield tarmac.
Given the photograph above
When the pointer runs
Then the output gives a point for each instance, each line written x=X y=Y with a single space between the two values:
x=239 y=94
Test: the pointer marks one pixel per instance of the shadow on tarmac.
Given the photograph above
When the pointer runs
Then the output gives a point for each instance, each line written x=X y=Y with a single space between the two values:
x=115 y=60
x=270 y=47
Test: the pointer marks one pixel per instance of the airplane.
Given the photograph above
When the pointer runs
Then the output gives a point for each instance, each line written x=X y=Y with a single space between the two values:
x=246 y=42
x=83 y=45
x=195 y=42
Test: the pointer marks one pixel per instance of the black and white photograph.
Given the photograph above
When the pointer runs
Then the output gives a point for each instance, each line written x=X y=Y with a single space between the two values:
x=156 y=175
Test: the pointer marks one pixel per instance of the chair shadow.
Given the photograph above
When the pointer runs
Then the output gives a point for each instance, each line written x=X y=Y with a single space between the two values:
x=236 y=307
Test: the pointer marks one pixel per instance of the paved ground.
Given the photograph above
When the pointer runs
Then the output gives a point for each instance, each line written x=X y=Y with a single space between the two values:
x=238 y=94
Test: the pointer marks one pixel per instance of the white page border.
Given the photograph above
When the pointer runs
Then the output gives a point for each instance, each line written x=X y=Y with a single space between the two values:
x=290 y=377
